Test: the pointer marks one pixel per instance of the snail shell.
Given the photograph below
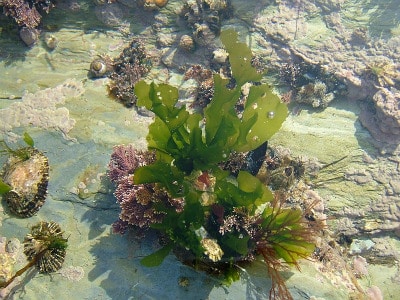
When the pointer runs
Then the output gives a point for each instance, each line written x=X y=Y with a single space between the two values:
x=101 y=67
x=51 y=41
x=29 y=179
x=39 y=240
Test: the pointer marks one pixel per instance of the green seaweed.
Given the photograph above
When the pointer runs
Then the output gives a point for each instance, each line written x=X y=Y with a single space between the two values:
x=190 y=145
x=28 y=139
x=183 y=147
x=4 y=188
x=156 y=258
x=263 y=113
x=24 y=152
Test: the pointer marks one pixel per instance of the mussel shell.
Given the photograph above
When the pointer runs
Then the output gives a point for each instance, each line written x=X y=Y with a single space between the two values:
x=29 y=179
x=38 y=240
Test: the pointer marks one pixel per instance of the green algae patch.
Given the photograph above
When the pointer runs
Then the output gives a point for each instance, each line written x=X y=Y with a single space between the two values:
x=209 y=214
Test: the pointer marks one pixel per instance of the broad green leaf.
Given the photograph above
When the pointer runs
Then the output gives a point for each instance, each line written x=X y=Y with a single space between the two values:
x=159 y=136
x=142 y=91
x=288 y=217
x=239 y=245
x=156 y=172
x=256 y=190
x=291 y=252
x=161 y=100
x=4 y=188
x=28 y=139
x=194 y=211
x=221 y=110
x=155 y=259
x=240 y=57
x=231 y=275
x=262 y=118
x=247 y=182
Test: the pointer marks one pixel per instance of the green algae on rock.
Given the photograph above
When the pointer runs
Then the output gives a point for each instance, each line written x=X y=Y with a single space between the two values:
x=225 y=219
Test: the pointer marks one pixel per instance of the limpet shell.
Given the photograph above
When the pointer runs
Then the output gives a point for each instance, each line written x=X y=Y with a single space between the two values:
x=38 y=242
x=29 y=179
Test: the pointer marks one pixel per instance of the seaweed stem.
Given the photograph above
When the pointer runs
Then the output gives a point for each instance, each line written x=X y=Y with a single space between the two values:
x=23 y=270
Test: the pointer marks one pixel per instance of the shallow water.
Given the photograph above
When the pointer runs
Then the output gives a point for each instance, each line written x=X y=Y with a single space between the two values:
x=77 y=124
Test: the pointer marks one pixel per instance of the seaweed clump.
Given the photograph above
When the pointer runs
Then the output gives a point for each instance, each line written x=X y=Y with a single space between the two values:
x=124 y=71
x=213 y=212
x=27 y=15
x=132 y=64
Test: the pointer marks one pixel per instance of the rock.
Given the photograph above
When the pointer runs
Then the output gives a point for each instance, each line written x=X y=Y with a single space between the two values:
x=383 y=120
x=29 y=36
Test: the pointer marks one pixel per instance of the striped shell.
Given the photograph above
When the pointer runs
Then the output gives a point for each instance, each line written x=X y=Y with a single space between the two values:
x=39 y=241
x=101 y=67
x=28 y=179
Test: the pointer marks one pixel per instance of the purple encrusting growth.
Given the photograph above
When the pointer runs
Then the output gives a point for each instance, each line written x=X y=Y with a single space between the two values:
x=125 y=160
x=134 y=210
x=136 y=203
x=136 y=200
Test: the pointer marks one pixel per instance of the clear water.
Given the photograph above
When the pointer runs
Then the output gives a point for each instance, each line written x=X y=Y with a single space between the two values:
x=78 y=126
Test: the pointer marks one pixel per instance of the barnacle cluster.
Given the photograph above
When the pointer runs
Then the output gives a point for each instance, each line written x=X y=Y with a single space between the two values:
x=204 y=18
x=279 y=170
x=310 y=84
x=314 y=93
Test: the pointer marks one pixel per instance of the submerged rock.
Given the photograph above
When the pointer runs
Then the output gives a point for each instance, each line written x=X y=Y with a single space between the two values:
x=383 y=119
